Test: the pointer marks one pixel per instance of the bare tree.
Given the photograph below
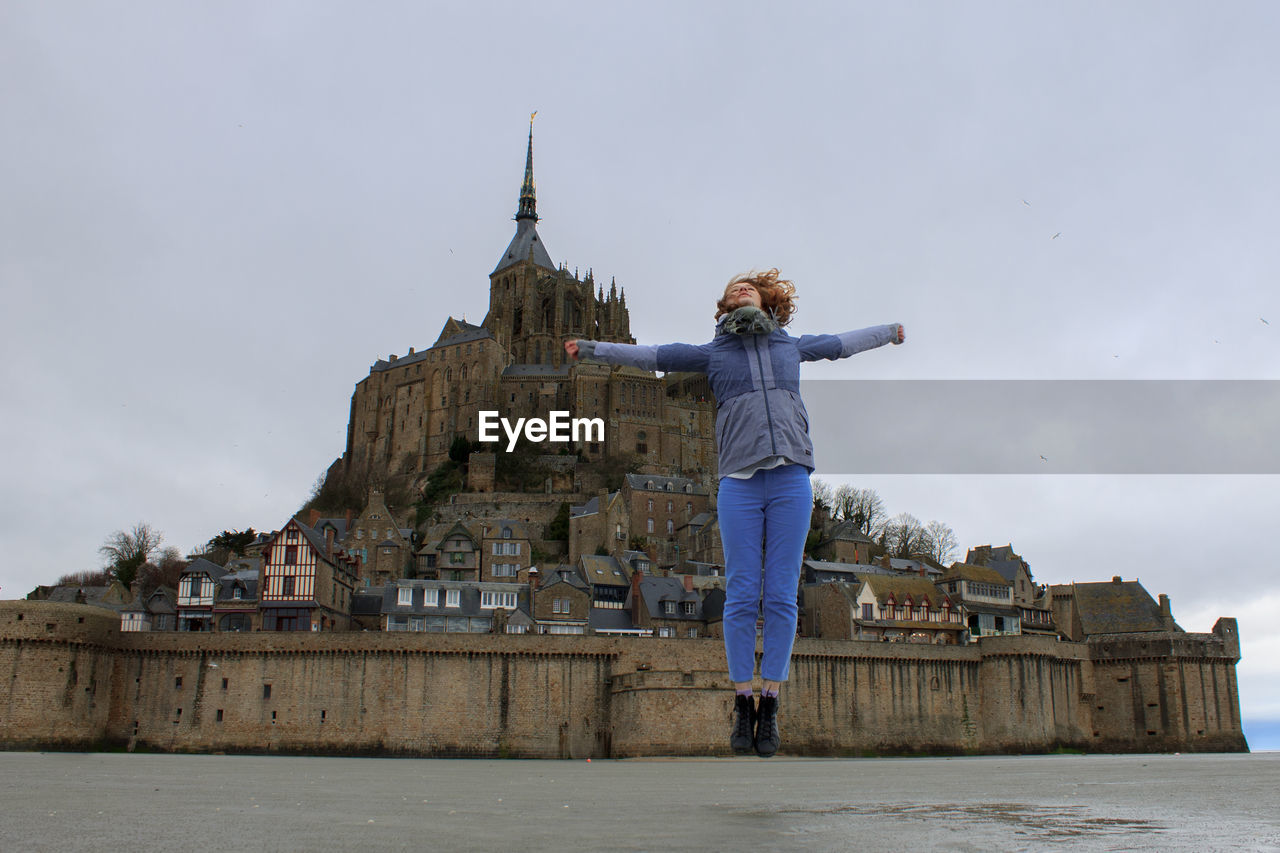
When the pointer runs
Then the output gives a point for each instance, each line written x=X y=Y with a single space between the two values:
x=89 y=577
x=904 y=536
x=166 y=570
x=842 y=501
x=864 y=507
x=823 y=494
x=941 y=542
x=126 y=551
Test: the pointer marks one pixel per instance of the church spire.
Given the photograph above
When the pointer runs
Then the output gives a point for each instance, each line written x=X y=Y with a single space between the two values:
x=528 y=199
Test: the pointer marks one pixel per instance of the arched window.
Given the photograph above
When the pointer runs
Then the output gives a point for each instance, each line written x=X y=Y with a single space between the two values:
x=671 y=526
x=649 y=525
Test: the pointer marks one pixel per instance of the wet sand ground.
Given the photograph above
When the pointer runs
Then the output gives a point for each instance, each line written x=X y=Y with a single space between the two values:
x=71 y=801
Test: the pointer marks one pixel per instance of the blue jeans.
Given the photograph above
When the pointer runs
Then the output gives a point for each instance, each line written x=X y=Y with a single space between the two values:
x=763 y=525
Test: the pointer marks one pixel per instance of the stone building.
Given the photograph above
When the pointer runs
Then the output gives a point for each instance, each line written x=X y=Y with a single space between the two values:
x=844 y=542
x=987 y=599
x=407 y=412
x=307 y=582
x=882 y=608
x=506 y=550
x=562 y=602
x=657 y=506
x=601 y=525
x=1031 y=600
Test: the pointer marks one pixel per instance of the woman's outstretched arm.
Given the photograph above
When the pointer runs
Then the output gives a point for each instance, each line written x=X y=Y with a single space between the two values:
x=666 y=357
x=845 y=344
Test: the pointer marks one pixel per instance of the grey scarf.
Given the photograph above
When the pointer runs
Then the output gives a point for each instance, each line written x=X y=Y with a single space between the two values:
x=749 y=320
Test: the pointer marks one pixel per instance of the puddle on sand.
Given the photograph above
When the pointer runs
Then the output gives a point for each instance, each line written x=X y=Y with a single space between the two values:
x=1049 y=822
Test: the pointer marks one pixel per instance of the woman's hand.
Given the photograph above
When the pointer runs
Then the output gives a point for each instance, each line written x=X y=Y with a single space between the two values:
x=571 y=347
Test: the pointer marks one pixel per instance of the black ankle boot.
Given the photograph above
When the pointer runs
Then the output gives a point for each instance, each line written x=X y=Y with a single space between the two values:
x=743 y=737
x=768 y=738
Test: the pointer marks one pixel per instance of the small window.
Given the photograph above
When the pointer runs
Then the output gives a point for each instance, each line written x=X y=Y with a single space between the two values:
x=266 y=691
x=452 y=598
x=404 y=596
x=177 y=682
x=219 y=716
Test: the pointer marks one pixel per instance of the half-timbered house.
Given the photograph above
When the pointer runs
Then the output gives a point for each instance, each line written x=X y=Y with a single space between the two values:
x=197 y=588
x=307 y=582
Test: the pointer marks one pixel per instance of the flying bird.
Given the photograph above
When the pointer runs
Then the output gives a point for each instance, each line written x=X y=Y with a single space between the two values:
x=1027 y=203
x=1056 y=236
x=1264 y=320
x=1043 y=457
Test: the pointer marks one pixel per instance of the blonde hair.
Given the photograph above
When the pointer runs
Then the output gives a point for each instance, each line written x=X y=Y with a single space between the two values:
x=777 y=295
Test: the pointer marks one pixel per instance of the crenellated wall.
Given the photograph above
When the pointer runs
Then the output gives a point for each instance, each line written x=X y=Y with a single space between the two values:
x=76 y=682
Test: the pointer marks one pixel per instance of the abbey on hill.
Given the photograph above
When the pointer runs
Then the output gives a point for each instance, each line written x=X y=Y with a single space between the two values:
x=408 y=411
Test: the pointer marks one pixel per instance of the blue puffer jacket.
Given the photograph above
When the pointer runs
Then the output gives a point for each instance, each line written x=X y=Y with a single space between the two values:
x=756 y=381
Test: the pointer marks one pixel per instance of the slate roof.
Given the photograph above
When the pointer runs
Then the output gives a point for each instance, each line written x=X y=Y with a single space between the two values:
x=339 y=527
x=638 y=481
x=819 y=571
x=386 y=364
x=247 y=580
x=913 y=567
x=161 y=600
x=202 y=566
x=882 y=586
x=455 y=529
x=977 y=574
x=469 y=333
x=609 y=619
x=605 y=570
x=700 y=520
x=1122 y=607
x=654 y=591
x=525 y=239
x=563 y=574
x=847 y=531
x=368 y=602
x=590 y=507
x=426 y=597
x=491 y=528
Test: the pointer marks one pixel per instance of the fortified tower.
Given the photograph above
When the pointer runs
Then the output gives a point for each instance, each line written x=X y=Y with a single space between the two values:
x=534 y=306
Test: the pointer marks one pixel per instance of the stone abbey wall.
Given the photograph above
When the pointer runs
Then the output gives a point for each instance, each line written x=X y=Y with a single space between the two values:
x=75 y=681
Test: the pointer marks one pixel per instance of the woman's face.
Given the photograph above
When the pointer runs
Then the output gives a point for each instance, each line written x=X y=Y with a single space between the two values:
x=743 y=293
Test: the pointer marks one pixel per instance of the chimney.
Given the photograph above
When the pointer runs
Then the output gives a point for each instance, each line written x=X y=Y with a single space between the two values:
x=688 y=583
x=1115 y=579
x=328 y=540
x=312 y=517
x=924 y=570
x=1166 y=613
x=884 y=561
x=534 y=577
x=347 y=515
x=637 y=600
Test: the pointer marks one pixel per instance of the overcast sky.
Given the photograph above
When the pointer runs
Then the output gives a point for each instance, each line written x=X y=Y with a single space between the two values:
x=217 y=216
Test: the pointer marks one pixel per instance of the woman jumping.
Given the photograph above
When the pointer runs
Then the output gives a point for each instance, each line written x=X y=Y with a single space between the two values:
x=765 y=458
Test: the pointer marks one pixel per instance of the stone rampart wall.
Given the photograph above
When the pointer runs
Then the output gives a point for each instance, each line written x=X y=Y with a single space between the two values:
x=82 y=683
